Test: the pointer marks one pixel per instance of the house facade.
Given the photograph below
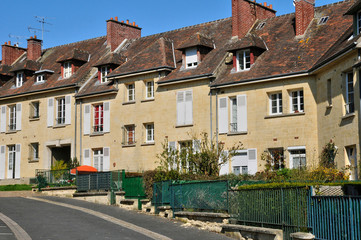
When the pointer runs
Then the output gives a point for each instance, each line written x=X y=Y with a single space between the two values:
x=284 y=85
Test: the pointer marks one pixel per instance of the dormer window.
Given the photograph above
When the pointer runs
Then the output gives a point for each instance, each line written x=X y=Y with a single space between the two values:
x=191 y=58
x=243 y=60
x=19 y=79
x=104 y=71
x=67 y=69
x=260 y=25
x=40 y=78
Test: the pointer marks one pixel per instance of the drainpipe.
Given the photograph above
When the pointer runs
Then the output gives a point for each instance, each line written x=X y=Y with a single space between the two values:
x=80 y=133
x=217 y=120
x=210 y=106
x=75 y=128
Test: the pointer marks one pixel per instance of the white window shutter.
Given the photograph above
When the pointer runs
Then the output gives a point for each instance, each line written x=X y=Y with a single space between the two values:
x=3 y=119
x=242 y=113
x=18 y=116
x=180 y=108
x=50 y=112
x=86 y=120
x=106 y=159
x=224 y=169
x=252 y=161
x=223 y=115
x=86 y=160
x=17 y=160
x=172 y=146
x=67 y=109
x=188 y=107
x=2 y=162
x=106 y=117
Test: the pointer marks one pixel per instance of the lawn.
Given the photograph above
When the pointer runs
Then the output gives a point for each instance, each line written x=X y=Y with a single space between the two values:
x=16 y=187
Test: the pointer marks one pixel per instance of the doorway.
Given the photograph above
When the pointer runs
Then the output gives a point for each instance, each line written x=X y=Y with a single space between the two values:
x=62 y=153
x=352 y=161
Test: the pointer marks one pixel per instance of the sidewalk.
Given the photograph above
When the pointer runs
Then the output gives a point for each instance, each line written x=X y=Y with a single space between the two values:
x=18 y=194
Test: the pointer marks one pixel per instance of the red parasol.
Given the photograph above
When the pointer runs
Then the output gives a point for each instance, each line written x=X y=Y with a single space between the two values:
x=83 y=170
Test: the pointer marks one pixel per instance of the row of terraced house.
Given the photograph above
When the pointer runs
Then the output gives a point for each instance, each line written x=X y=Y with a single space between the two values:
x=287 y=84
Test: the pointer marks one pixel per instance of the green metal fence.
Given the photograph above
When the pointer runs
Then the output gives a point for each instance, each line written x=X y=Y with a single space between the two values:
x=57 y=177
x=284 y=209
x=94 y=181
x=335 y=217
x=200 y=195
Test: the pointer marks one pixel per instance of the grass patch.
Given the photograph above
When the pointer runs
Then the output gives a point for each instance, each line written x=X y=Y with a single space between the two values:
x=16 y=187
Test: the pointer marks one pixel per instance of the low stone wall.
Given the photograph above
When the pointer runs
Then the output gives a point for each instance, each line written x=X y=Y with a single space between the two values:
x=15 y=181
x=94 y=197
x=59 y=191
x=203 y=216
x=256 y=233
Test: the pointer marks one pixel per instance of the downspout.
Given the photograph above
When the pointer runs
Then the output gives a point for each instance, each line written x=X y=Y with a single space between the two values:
x=210 y=106
x=217 y=120
x=80 y=133
x=75 y=128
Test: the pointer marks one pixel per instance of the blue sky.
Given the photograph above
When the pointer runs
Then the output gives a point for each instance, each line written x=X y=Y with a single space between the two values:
x=78 y=20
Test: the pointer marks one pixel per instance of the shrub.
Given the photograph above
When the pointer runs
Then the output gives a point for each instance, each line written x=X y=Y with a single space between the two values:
x=328 y=154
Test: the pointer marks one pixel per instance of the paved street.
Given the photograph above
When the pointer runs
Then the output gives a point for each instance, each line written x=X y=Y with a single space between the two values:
x=58 y=218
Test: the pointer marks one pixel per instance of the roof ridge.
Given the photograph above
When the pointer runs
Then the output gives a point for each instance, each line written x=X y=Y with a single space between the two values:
x=330 y=4
x=68 y=44
x=187 y=27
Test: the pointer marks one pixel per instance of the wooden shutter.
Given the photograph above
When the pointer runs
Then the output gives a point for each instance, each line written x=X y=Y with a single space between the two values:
x=188 y=107
x=180 y=108
x=86 y=160
x=223 y=115
x=67 y=109
x=252 y=161
x=106 y=116
x=224 y=169
x=50 y=112
x=242 y=113
x=2 y=162
x=86 y=120
x=18 y=116
x=17 y=160
x=106 y=159
x=3 y=119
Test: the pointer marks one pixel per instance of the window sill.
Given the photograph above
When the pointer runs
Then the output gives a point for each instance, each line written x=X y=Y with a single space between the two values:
x=185 y=125
x=148 y=144
x=60 y=126
x=329 y=106
x=96 y=134
x=128 y=145
x=147 y=100
x=285 y=115
x=34 y=119
x=33 y=160
x=130 y=102
x=237 y=133
x=349 y=115
x=11 y=131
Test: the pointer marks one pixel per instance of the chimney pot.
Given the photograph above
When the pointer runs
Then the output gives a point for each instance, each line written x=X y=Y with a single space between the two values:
x=265 y=4
x=116 y=18
x=136 y=25
x=270 y=6
x=118 y=31
x=111 y=18
x=9 y=42
x=122 y=21
x=127 y=21
x=133 y=23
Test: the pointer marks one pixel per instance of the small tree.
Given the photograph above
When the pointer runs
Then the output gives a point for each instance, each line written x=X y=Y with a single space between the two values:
x=57 y=167
x=203 y=156
x=73 y=163
x=328 y=154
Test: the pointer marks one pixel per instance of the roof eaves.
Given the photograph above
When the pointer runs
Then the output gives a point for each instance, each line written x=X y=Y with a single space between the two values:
x=191 y=78
x=128 y=74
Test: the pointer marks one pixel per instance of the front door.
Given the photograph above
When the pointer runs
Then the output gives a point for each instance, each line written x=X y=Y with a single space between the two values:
x=11 y=162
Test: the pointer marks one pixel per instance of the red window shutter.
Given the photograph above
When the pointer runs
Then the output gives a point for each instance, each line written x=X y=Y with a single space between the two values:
x=252 y=57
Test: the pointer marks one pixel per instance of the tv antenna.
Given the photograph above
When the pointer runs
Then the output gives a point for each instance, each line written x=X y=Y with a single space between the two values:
x=17 y=38
x=43 y=21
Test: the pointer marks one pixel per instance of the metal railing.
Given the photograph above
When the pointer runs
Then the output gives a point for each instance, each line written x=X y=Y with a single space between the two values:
x=61 y=177
x=233 y=127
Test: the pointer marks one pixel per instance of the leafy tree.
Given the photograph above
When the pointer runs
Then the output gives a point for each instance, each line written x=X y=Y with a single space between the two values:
x=328 y=154
x=203 y=156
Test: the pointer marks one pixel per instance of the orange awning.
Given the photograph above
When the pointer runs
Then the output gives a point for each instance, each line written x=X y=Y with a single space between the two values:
x=84 y=170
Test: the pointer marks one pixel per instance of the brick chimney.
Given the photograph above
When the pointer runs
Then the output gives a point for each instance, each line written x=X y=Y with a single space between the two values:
x=118 y=31
x=305 y=10
x=11 y=53
x=34 y=48
x=245 y=13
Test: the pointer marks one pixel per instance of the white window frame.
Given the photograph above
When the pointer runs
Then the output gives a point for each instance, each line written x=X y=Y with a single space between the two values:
x=300 y=101
x=12 y=117
x=149 y=129
x=67 y=69
x=233 y=114
x=34 y=151
x=19 y=79
x=11 y=157
x=149 y=90
x=35 y=109
x=98 y=159
x=60 y=111
x=127 y=134
x=131 y=92
x=293 y=155
x=243 y=57
x=40 y=78
x=104 y=71
x=350 y=93
x=278 y=103
x=191 y=57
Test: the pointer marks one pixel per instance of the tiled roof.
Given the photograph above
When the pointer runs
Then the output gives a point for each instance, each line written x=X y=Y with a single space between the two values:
x=24 y=64
x=94 y=47
x=196 y=40
x=74 y=54
x=5 y=70
x=354 y=8
x=247 y=42
x=110 y=58
x=288 y=54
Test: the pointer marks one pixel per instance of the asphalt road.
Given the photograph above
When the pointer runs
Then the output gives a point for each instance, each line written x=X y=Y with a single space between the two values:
x=61 y=218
